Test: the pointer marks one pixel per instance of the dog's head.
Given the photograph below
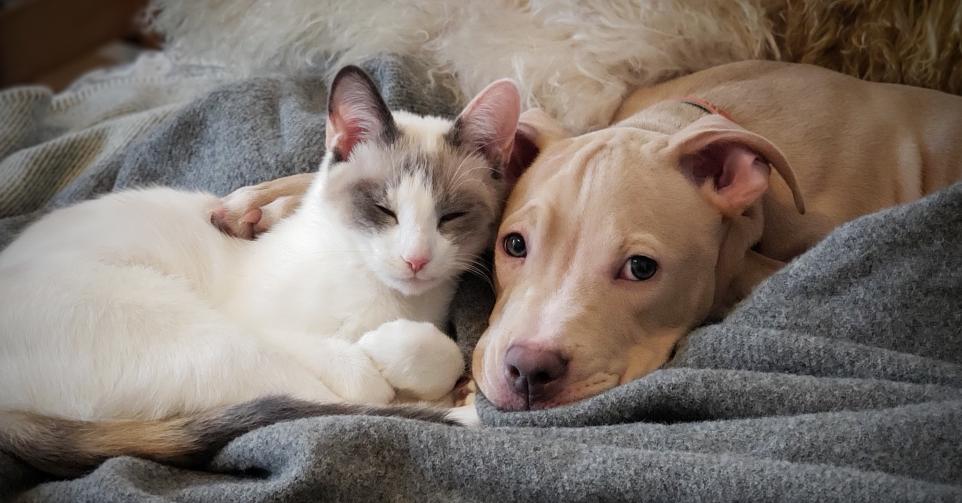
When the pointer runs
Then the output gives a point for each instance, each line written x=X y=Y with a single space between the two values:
x=611 y=248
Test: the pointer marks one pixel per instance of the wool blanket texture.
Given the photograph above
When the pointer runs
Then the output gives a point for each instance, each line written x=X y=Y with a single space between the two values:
x=839 y=379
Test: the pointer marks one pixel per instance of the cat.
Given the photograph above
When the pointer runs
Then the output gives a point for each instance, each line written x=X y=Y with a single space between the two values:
x=130 y=325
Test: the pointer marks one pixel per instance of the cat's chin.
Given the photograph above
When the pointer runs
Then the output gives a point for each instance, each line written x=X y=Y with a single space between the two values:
x=412 y=287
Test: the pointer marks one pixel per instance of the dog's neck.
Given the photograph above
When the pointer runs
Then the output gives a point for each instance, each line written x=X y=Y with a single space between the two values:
x=670 y=116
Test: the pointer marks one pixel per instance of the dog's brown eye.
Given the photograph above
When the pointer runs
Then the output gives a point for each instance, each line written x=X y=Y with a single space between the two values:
x=386 y=211
x=639 y=268
x=514 y=245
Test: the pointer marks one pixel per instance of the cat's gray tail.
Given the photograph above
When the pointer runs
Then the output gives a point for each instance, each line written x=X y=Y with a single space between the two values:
x=68 y=448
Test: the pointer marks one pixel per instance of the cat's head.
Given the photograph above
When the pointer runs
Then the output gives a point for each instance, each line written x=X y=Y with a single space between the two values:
x=420 y=197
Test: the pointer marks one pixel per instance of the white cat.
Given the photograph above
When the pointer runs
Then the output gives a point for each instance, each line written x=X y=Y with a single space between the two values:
x=134 y=307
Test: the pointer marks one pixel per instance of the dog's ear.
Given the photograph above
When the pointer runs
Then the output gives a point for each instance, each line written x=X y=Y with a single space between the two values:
x=488 y=124
x=356 y=113
x=541 y=128
x=730 y=164
x=536 y=130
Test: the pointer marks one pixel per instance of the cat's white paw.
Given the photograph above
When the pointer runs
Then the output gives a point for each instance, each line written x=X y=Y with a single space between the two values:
x=348 y=371
x=466 y=415
x=415 y=358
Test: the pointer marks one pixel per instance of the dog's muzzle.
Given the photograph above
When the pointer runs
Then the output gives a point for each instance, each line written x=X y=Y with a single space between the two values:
x=534 y=374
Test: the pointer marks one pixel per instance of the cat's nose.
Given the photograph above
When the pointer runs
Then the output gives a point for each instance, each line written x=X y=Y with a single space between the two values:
x=417 y=263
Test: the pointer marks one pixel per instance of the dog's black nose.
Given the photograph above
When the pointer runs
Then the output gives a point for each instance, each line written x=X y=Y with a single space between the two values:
x=532 y=370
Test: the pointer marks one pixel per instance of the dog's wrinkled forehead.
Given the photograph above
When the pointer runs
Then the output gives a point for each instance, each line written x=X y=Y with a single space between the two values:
x=594 y=164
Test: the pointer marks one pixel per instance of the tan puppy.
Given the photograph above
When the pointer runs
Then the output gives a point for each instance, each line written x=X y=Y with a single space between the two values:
x=615 y=244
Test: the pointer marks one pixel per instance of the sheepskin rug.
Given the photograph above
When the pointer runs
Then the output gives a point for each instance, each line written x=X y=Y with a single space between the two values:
x=577 y=59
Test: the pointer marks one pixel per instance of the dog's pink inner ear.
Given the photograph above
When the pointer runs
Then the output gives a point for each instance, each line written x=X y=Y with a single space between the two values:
x=356 y=113
x=489 y=122
x=730 y=175
x=735 y=160
x=523 y=153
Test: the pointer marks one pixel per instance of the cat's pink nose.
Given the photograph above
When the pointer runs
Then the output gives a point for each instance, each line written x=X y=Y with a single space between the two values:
x=417 y=263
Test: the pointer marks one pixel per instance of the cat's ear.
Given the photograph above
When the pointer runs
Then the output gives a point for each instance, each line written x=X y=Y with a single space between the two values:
x=489 y=123
x=356 y=113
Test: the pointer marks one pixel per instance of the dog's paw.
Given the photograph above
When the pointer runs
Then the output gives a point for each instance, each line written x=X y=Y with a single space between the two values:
x=232 y=223
x=416 y=358
x=250 y=211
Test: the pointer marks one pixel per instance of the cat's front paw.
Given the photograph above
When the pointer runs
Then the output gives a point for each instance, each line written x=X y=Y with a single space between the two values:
x=349 y=372
x=416 y=358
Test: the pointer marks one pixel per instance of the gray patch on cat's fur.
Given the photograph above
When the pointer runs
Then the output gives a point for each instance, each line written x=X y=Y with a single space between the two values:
x=454 y=190
x=460 y=181
x=366 y=196
x=455 y=138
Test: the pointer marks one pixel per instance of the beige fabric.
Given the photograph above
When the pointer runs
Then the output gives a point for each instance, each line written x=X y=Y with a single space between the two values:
x=47 y=140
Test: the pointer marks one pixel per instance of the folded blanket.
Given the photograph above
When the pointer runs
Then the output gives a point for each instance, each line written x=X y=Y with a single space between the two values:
x=157 y=123
x=840 y=379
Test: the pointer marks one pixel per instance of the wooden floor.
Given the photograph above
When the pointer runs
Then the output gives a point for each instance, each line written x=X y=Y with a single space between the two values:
x=52 y=42
x=112 y=54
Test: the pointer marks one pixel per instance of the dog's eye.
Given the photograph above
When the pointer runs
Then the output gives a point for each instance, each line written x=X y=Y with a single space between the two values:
x=639 y=268
x=447 y=217
x=514 y=245
x=386 y=211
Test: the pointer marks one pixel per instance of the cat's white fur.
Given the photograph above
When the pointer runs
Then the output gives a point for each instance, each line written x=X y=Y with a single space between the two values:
x=133 y=305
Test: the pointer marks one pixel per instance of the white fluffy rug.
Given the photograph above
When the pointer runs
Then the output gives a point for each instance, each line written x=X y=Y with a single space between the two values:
x=576 y=59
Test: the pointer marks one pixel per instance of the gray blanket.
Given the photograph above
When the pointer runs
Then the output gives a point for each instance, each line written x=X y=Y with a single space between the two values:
x=839 y=380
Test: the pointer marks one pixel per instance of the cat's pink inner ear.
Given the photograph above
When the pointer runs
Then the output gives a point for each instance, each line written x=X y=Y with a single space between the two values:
x=490 y=120
x=356 y=112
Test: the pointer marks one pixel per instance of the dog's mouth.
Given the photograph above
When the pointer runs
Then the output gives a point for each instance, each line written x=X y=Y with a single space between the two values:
x=507 y=397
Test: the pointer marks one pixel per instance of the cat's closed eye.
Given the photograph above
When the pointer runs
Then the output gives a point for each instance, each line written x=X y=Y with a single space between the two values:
x=386 y=211
x=447 y=217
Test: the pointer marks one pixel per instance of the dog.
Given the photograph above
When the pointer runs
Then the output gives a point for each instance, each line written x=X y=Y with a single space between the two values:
x=615 y=244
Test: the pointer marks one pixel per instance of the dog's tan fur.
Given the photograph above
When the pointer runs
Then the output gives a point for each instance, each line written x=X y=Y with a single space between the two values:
x=249 y=211
x=840 y=148
x=590 y=202
x=855 y=147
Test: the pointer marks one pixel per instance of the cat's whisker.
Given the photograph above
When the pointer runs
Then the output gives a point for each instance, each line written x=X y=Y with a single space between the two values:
x=476 y=267
x=459 y=177
x=462 y=176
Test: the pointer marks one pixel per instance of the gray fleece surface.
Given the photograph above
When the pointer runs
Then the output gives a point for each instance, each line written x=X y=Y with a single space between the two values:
x=840 y=379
